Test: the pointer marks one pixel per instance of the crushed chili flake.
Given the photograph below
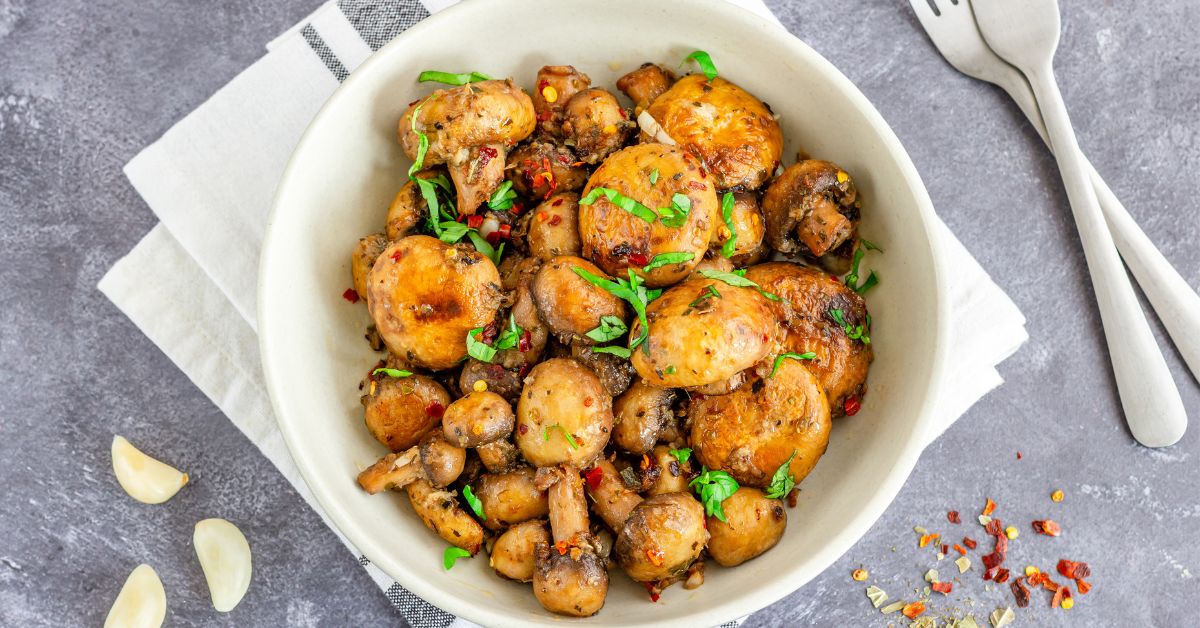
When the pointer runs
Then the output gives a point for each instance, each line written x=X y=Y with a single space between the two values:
x=851 y=406
x=945 y=549
x=1020 y=592
x=435 y=409
x=859 y=575
x=1083 y=586
x=970 y=542
x=1074 y=570
x=989 y=507
x=526 y=341
x=523 y=429
x=913 y=610
x=350 y=295
x=958 y=548
x=555 y=220
x=588 y=401
x=397 y=255
x=942 y=587
x=593 y=476
x=541 y=216
x=1019 y=455
x=557 y=202
x=953 y=517
x=927 y=539
x=1001 y=576
x=475 y=221
x=1047 y=526
x=994 y=527
x=652 y=590
x=656 y=556
x=638 y=259
x=1059 y=594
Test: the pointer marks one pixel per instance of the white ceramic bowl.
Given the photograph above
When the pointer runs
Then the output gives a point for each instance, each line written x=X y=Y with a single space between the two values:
x=348 y=166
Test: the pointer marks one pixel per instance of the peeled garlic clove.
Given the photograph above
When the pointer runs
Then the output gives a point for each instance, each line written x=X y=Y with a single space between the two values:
x=142 y=602
x=144 y=478
x=225 y=558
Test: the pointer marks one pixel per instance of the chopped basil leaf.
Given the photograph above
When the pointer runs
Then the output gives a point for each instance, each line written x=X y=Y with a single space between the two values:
x=654 y=176
x=452 y=554
x=610 y=328
x=682 y=455
x=727 y=203
x=510 y=336
x=482 y=246
x=473 y=502
x=662 y=259
x=397 y=373
x=670 y=370
x=871 y=281
x=709 y=293
x=705 y=62
x=852 y=277
x=867 y=244
x=422 y=143
x=565 y=433
x=503 y=197
x=632 y=291
x=619 y=351
x=451 y=232
x=622 y=201
x=782 y=482
x=853 y=332
x=807 y=355
x=714 y=487
x=737 y=278
x=676 y=214
x=479 y=350
x=450 y=78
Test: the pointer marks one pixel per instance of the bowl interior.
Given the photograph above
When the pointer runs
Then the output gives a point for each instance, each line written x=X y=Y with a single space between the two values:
x=349 y=165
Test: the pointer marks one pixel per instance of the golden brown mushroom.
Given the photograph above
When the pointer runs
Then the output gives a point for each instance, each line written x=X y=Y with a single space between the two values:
x=595 y=124
x=753 y=524
x=570 y=577
x=539 y=169
x=564 y=415
x=399 y=411
x=512 y=554
x=553 y=89
x=812 y=208
x=645 y=84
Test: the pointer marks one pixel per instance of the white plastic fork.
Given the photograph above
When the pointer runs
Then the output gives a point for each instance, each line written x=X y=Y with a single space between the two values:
x=1025 y=33
x=954 y=32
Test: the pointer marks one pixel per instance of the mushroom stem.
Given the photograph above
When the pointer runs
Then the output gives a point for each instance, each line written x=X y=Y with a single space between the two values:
x=478 y=175
x=568 y=507
x=393 y=471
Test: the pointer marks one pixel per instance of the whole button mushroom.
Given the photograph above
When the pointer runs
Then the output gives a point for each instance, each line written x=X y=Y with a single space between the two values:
x=564 y=415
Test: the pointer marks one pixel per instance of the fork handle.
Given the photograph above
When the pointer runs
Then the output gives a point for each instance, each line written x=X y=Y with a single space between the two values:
x=1149 y=398
x=1176 y=303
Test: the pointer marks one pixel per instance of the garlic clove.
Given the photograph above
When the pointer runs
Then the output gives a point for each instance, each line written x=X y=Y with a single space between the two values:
x=225 y=558
x=145 y=479
x=142 y=602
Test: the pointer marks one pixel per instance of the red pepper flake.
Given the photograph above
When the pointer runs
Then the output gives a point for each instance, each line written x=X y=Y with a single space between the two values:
x=652 y=590
x=541 y=216
x=475 y=221
x=1019 y=455
x=1074 y=570
x=557 y=202
x=696 y=185
x=1001 y=576
x=945 y=549
x=397 y=255
x=970 y=542
x=488 y=151
x=1083 y=586
x=851 y=406
x=927 y=539
x=638 y=259
x=592 y=477
x=1049 y=584
x=953 y=517
x=990 y=572
x=942 y=587
x=544 y=116
x=523 y=429
x=555 y=220
x=1059 y=594
x=958 y=548
x=350 y=295
x=435 y=409
x=526 y=341
x=989 y=507
x=1020 y=592
x=489 y=333
x=913 y=610
x=588 y=401
x=562 y=547
x=1047 y=527
x=994 y=528
x=656 y=557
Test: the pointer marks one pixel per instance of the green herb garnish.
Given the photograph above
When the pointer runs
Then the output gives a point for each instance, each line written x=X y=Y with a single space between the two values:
x=663 y=259
x=610 y=328
x=682 y=455
x=705 y=62
x=503 y=197
x=473 y=502
x=709 y=293
x=852 y=278
x=727 y=203
x=478 y=349
x=452 y=554
x=633 y=292
x=670 y=370
x=654 y=176
x=397 y=373
x=619 y=351
x=714 y=487
x=510 y=336
x=853 y=332
x=782 y=482
x=565 y=433
x=481 y=245
x=807 y=355
x=737 y=278
x=677 y=212
x=450 y=78
x=622 y=201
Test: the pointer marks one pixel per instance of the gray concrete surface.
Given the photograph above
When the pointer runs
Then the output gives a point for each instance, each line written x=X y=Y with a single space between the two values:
x=85 y=84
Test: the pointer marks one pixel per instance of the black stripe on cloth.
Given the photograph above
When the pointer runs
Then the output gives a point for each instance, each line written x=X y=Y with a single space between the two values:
x=417 y=612
x=379 y=21
x=321 y=49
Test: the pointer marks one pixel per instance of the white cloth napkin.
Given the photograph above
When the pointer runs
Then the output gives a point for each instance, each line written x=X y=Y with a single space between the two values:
x=210 y=180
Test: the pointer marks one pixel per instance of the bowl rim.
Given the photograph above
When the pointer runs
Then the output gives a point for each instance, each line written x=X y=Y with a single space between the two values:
x=837 y=543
